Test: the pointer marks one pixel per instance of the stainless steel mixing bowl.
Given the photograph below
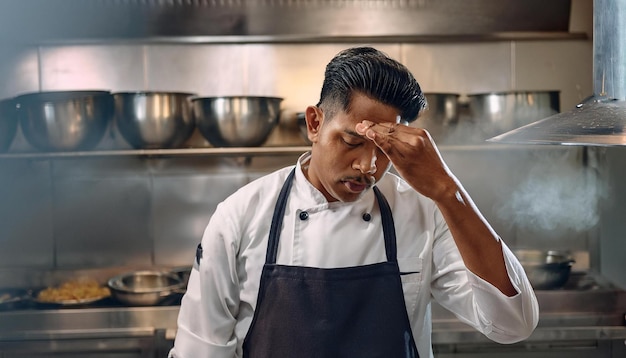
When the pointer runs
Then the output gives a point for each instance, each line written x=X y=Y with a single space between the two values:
x=496 y=113
x=154 y=120
x=64 y=120
x=441 y=116
x=237 y=121
x=145 y=287
x=8 y=123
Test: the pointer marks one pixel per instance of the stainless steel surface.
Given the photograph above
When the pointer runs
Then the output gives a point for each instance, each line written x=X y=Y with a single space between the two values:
x=579 y=316
x=496 y=113
x=115 y=66
x=592 y=124
x=191 y=152
x=601 y=119
x=566 y=315
x=145 y=287
x=8 y=123
x=237 y=121
x=154 y=120
x=65 y=120
x=441 y=115
x=274 y=19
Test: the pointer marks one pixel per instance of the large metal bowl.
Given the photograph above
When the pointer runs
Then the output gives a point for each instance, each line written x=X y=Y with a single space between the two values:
x=499 y=112
x=441 y=115
x=145 y=287
x=154 y=120
x=65 y=120
x=546 y=270
x=8 y=123
x=238 y=121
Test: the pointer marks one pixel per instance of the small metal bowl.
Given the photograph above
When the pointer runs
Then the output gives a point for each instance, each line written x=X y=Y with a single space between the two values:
x=237 y=121
x=154 y=120
x=145 y=288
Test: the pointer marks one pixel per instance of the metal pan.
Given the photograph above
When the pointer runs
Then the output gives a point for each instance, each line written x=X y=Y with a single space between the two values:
x=546 y=270
x=14 y=298
x=78 y=302
x=73 y=293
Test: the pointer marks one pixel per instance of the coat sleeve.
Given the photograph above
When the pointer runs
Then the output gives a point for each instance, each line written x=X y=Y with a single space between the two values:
x=207 y=316
x=475 y=301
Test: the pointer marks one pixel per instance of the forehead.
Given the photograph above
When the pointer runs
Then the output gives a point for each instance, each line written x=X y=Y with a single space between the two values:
x=363 y=108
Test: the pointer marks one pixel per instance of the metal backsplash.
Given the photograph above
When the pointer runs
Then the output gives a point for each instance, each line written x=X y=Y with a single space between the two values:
x=77 y=213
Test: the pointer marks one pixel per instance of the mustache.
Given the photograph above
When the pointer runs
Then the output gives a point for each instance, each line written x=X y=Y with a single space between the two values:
x=362 y=179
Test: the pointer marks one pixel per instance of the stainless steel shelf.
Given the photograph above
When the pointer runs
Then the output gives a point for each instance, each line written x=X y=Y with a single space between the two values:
x=182 y=152
x=238 y=151
x=316 y=39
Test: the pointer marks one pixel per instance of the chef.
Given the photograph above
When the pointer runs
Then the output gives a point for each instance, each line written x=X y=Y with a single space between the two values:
x=337 y=257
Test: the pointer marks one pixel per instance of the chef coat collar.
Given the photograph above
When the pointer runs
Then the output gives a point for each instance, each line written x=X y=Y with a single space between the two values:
x=310 y=197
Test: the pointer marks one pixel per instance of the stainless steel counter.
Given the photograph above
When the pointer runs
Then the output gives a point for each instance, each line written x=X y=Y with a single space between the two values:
x=584 y=319
x=565 y=315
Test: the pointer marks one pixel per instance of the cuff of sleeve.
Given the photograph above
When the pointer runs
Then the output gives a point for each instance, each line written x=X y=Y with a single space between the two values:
x=188 y=344
x=501 y=314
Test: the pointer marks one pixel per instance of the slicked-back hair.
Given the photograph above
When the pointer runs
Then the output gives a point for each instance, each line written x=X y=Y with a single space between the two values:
x=373 y=73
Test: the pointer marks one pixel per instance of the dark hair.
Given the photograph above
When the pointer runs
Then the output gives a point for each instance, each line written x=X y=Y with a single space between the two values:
x=376 y=75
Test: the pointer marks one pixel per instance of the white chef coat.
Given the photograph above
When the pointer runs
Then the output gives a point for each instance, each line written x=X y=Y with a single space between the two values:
x=217 y=310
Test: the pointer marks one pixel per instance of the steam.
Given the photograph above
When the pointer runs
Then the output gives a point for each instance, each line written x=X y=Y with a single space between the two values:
x=558 y=193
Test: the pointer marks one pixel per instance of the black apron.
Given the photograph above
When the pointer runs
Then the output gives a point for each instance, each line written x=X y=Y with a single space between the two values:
x=352 y=312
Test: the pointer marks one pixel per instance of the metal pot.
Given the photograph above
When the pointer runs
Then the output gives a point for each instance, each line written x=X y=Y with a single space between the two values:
x=545 y=269
x=145 y=288
x=237 y=121
x=65 y=120
x=8 y=123
x=154 y=120
x=499 y=112
x=441 y=115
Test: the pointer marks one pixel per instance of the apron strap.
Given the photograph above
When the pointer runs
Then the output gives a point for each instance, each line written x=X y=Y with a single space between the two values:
x=389 y=231
x=277 y=219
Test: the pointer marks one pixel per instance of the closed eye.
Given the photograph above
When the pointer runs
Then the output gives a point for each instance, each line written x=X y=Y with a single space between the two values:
x=351 y=144
x=353 y=139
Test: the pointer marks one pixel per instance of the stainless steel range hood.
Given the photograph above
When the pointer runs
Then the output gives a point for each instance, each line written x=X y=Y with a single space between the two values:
x=601 y=119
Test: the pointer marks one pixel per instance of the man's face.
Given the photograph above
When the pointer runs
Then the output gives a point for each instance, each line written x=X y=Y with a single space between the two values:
x=343 y=163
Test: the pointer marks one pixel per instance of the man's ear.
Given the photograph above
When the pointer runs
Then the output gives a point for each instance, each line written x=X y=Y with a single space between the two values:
x=314 y=120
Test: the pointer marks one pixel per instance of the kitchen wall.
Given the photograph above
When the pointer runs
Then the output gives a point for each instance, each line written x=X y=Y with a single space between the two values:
x=138 y=211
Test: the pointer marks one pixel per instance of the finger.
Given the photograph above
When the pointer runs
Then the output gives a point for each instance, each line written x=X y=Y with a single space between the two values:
x=381 y=134
x=381 y=128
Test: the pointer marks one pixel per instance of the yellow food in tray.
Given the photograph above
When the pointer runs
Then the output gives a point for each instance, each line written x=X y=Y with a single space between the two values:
x=74 y=291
